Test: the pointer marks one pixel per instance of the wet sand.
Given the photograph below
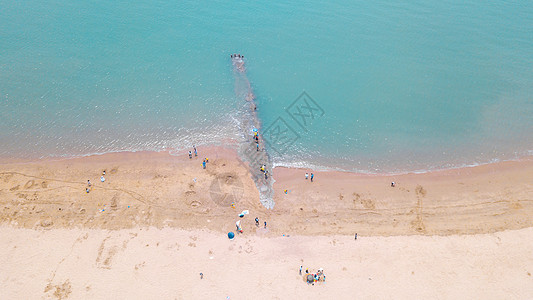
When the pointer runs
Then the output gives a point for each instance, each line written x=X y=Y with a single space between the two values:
x=157 y=189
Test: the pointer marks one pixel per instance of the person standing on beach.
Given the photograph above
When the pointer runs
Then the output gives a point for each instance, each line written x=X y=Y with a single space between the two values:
x=195 y=151
x=88 y=182
x=306 y=176
x=203 y=163
x=312 y=176
x=257 y=221
x=301 y=270
x=265 y=224
x=190 y=154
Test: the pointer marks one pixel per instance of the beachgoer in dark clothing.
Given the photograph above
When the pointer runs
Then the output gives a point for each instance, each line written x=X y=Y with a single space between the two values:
x=265 y=224
x=256 y=221
x=190 y=154
x=312 y=176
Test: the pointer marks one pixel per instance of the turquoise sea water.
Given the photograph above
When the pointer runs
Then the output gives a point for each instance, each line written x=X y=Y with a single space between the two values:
x=404 y=87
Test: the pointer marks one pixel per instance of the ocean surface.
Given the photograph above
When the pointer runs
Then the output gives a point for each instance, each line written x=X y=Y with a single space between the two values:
x=394 y=87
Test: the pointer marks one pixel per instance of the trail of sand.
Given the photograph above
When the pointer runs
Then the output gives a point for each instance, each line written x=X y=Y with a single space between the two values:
x=165 y=264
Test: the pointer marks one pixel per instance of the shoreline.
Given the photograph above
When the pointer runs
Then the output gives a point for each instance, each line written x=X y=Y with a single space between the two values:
x=233 y=145
x=145 y=189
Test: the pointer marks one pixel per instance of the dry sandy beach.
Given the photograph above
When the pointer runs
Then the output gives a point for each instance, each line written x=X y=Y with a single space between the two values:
x=159 y=220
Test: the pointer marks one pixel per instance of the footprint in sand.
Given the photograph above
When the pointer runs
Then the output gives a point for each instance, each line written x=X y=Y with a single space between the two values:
x=366 y=202
x=29 y=184
x=107 y=251
x=60 y=291
x=139 y=266
x=420 y=191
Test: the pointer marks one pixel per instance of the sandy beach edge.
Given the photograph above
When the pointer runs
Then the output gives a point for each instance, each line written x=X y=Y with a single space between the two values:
x=159 y=189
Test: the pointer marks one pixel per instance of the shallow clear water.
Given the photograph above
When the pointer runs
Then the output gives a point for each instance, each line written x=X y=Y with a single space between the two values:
x=403 y=87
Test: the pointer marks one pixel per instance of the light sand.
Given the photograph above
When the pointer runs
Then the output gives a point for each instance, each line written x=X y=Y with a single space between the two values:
x=49 y=224
x=165 y=264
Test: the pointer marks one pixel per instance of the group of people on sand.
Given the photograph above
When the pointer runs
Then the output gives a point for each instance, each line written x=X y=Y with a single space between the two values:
x=89 y=184
x=316 y=277
x=204 y=162
x=307 y=176
x=195 y=152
